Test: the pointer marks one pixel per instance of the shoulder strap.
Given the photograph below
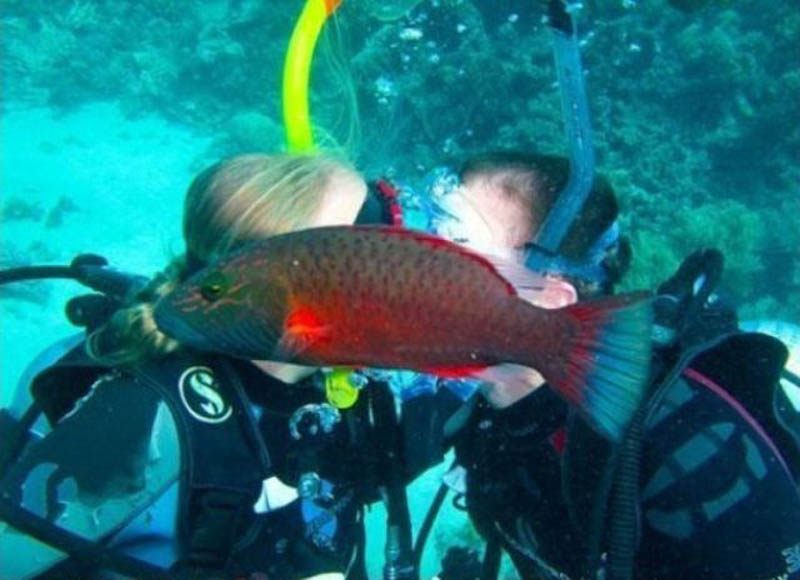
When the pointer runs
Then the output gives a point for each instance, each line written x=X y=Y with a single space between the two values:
x=56 y=389
x=224 y=459
x=54 y=392
x=748 y=368
x=78 y=374
x=741 y=362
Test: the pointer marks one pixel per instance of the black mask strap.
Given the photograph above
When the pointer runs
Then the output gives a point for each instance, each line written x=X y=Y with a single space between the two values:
x=380 y=206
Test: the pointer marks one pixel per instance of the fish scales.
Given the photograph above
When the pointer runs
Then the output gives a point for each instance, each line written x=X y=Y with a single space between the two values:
x=392 y=298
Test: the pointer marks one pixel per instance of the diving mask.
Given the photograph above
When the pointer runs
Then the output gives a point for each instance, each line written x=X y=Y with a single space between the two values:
x=455 y=218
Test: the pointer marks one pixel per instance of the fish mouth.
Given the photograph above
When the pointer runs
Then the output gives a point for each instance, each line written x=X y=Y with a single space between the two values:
x=203 y=335
x=171 y=323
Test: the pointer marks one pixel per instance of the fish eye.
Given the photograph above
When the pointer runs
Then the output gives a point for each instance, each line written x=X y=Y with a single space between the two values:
x=214 y=286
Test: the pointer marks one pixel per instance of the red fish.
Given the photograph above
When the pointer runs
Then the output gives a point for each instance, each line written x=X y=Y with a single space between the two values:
x=391 y=298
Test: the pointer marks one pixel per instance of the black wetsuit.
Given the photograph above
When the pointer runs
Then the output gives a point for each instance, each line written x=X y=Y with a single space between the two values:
x=101 y=449
x=103 y=421
x=717 y=491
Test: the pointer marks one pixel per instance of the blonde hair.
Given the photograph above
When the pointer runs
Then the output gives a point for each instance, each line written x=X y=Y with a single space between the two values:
x=251 y=197
x=235 y=201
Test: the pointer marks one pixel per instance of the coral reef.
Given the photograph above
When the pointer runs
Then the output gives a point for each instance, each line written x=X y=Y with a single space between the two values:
x=21 y=209
x=55 y=216
x=690 y=109
x=11 y=256
x=695 y=114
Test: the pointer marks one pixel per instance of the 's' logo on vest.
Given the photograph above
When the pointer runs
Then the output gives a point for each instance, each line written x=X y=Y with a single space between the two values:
x=201 y=395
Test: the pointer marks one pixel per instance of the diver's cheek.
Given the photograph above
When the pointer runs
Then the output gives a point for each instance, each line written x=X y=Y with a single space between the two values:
x=556 y=293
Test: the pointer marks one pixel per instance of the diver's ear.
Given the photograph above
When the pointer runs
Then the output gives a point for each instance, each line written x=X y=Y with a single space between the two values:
x=556 y=293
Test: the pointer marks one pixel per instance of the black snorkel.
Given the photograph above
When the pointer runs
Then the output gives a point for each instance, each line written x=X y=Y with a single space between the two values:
x=578 y=130
x=621 y=535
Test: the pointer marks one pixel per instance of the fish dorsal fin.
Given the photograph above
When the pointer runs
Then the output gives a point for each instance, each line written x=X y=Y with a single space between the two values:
x=522 y=281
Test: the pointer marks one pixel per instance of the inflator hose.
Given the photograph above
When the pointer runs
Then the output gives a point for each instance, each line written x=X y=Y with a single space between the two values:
x=24 y=273
x=88 y=269
x=623 y=530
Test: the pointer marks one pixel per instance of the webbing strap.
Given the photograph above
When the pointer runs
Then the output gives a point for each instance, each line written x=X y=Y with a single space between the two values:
x=94 y=554
x=224 y=459
x=705 y=381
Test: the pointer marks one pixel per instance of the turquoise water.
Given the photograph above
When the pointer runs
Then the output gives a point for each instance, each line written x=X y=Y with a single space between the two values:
x=109 y=109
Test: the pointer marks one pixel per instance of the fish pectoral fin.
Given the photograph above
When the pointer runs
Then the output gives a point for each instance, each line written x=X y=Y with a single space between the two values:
x=302 y=330
x=295 y=341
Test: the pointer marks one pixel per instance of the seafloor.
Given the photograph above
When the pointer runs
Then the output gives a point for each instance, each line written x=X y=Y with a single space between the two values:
x=110 y=107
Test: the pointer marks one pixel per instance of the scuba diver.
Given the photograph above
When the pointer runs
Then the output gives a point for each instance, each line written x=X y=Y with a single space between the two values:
x=191 y=465
x=125 y=454
x=705 y=482
x=139 y=457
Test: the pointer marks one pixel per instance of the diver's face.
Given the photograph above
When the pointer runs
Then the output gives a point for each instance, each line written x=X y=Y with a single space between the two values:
x=341 y=201
x=340 y=205
x=487 y=220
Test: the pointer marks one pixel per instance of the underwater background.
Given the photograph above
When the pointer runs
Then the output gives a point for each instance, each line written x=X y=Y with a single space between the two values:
x=110 y=107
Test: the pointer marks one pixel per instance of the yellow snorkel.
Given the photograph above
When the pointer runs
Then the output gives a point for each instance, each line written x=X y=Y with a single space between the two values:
x=340 y=389
x=297 y=70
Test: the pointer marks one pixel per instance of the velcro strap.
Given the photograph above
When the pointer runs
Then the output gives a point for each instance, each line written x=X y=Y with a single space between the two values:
x=215 y=517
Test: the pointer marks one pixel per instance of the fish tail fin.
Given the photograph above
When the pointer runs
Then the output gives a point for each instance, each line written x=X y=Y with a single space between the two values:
x=607 y=366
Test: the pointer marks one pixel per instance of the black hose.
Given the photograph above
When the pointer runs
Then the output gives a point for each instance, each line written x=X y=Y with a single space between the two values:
x=36 y=273
x=399 y=557
x=623 y=527
x=491 y=559
x=623 y=533
x=427 y=525
x=88 y=269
